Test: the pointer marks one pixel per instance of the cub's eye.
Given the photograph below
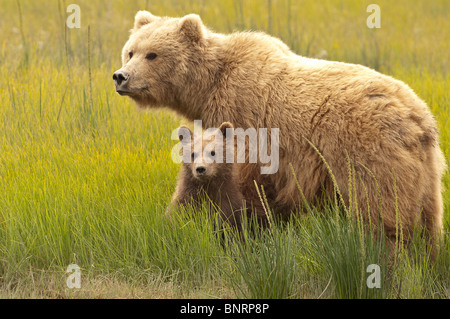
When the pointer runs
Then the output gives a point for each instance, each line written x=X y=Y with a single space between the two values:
x=213 y=153
x=151 y=56
x=130 y=55
x=193 y=155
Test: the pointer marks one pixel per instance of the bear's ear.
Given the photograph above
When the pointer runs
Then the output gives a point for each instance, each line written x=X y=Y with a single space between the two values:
x=142 y=18
x=184 y=134
x=192 y=27
x=223 y=128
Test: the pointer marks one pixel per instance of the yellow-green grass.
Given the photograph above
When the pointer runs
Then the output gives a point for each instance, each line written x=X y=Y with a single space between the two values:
x=85 y=177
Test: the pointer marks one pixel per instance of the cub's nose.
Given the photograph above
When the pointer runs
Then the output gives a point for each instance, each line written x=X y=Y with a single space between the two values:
x=120 y=78
x=200 y=170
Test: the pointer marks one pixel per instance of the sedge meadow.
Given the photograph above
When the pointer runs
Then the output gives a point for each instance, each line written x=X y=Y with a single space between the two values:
x=85 y=177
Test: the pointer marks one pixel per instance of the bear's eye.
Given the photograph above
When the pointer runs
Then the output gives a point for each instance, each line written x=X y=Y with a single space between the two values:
x=151 y=56
x=130 y=55
x=193 y=155
x=213 y=153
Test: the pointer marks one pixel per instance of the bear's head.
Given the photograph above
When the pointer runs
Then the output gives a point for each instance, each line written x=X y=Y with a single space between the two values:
x=206 y=157
x=161 y=55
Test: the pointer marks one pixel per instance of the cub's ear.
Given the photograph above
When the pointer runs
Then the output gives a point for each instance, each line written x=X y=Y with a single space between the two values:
x=184 y=134
x=192 y=27
x=142 y=18
x=223 y=128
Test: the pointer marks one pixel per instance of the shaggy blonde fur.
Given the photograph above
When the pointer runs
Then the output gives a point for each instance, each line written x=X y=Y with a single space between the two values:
x=350 y=114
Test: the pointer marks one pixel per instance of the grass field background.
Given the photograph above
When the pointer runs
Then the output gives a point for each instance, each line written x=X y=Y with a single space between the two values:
x=85 y=177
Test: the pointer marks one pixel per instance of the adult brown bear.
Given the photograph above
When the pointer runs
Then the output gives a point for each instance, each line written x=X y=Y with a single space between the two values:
x=347 y=114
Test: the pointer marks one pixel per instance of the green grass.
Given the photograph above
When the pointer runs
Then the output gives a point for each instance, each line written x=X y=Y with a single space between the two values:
x=85 y=177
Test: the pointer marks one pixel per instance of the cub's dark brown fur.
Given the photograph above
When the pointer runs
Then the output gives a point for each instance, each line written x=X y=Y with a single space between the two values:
x=217 y=182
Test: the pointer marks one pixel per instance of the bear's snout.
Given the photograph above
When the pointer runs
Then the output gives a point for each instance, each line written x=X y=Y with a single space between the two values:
x=200 y=170
x=120 y=80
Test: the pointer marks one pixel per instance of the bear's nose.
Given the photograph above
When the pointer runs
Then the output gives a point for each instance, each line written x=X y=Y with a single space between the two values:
x=201 y=170
x=120 y=77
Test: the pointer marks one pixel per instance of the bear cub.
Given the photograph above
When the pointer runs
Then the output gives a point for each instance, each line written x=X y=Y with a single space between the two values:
x=206 y=175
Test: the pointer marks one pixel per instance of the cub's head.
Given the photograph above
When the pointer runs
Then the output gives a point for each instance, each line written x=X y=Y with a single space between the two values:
x=205 y=156
x=160 y=56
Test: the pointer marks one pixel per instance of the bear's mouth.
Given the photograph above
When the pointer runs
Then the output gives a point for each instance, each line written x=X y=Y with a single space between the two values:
x=203 y=177
x=123 y=93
